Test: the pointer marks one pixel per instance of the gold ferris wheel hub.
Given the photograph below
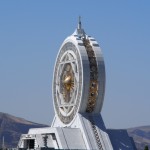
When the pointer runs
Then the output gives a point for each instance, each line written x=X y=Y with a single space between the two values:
x=67 y=79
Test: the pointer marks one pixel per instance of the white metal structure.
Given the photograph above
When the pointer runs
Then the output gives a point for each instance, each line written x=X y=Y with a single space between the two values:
x=79 y=77
x=78 y=95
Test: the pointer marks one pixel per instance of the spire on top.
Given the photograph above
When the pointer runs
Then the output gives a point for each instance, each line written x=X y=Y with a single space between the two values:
x=79 y=23
x=79 y=31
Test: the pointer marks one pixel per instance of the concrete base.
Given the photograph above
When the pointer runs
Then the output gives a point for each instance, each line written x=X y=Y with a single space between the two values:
x=86 y=132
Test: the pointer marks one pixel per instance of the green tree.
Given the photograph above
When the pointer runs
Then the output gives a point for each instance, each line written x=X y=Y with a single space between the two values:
x=146 y=148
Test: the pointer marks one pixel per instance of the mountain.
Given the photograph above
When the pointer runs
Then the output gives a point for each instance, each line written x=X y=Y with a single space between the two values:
x=12 y=127
x=141 y=136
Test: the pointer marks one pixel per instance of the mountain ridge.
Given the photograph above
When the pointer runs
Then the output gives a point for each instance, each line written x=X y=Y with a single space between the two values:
x=15 y=119
x=12 y=127
x=141 y=136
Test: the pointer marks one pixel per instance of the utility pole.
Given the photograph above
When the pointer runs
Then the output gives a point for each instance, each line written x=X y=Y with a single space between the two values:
x=3 y=143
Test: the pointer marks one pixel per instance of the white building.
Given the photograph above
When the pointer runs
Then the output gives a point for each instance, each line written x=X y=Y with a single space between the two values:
x=78 y=95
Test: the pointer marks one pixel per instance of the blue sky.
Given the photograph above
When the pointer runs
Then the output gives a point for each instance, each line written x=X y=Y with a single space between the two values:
x=31 y=33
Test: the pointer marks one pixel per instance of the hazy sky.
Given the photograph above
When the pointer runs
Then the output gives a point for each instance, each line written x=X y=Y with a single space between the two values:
x=31 y=33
